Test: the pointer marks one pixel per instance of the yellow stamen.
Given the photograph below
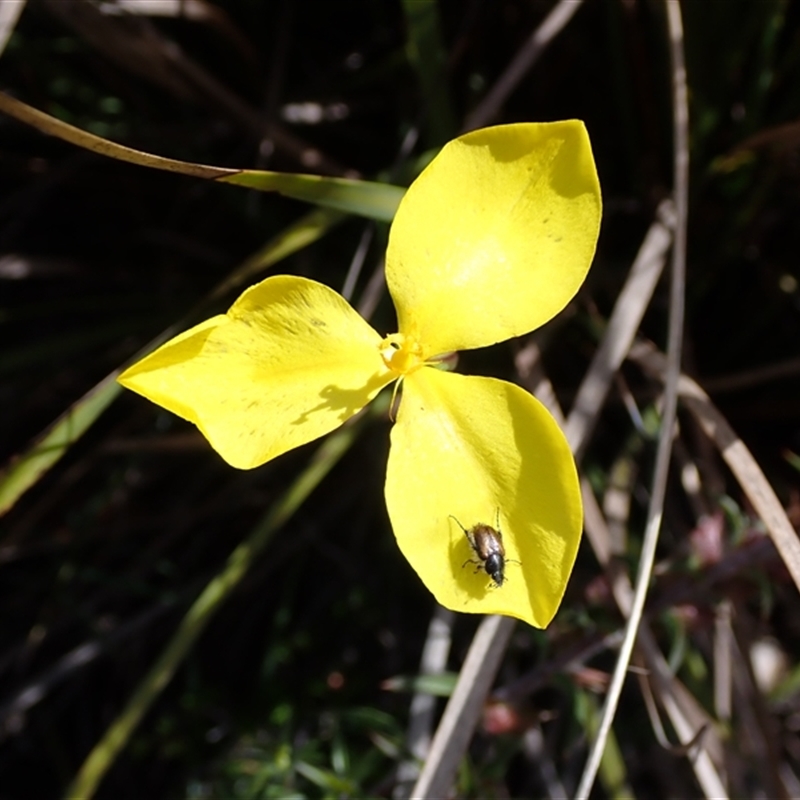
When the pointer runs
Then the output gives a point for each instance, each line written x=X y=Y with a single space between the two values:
x=401 y=355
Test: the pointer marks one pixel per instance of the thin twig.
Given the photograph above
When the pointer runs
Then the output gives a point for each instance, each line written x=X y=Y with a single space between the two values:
x=525 y=58
x=655 y=721
x=766 y=746
x=375 y=287
x=747 y=379
x=674 y=341
x=13 y=710
x=9 y=14
x=723 y=662
x=463 y=711
x=621 y=329
x=737 y=457
x=373 y=291
x=357 y=262
x=535 y=748
x=423 y=704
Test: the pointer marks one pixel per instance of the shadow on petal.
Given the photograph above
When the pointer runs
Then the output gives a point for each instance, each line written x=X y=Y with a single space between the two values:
x=345 y=403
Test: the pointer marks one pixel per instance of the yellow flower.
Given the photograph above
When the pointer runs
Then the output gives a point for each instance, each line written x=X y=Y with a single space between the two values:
x=491 y=241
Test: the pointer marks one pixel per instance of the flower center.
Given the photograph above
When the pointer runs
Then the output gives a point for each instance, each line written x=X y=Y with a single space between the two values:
x=401 y=354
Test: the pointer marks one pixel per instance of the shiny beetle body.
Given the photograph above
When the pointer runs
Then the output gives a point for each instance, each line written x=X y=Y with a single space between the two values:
x=488 y=546
x=487 y=543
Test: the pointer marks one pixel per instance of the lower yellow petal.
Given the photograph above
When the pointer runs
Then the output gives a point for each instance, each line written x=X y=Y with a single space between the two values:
x=483 y=451
x=289 y=362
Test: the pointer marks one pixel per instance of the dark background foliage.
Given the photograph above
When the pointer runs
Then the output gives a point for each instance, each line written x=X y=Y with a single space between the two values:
x=283 y=695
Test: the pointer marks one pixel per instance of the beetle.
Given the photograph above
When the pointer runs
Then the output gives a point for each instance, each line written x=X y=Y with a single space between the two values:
x=487 y=543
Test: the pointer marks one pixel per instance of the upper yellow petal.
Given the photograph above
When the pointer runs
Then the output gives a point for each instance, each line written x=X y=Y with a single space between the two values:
x=289 y=362
x=484 y=451
x=495 y=236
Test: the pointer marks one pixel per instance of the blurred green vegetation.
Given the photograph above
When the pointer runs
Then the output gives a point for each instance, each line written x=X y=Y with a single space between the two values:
x=283 y=696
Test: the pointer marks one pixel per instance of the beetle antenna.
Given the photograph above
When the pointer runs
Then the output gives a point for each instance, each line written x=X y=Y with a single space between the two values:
x=458 y=523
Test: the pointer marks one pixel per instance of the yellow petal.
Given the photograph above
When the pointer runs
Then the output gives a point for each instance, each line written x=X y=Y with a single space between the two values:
x=289 y=362
x=495 y=236
x=477 y=449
